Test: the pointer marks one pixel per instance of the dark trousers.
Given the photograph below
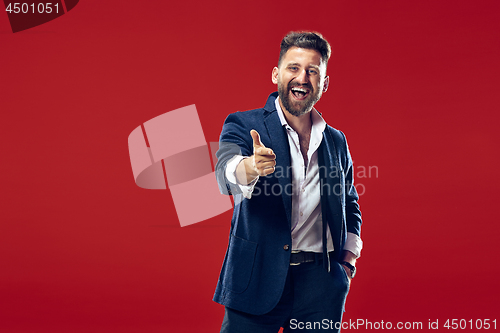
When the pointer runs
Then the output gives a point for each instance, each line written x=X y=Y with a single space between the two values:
x=312 y=301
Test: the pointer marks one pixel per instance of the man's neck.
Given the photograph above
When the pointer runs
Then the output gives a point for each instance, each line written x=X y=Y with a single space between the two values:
x=301 y=124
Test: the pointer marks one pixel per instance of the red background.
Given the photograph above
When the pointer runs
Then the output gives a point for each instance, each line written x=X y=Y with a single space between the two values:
x=414 y=85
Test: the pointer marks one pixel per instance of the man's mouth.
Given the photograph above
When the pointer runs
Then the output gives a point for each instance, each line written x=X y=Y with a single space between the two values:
x=300 y=92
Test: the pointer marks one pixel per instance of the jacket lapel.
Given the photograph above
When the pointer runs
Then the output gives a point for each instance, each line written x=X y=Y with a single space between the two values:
x=280 y=146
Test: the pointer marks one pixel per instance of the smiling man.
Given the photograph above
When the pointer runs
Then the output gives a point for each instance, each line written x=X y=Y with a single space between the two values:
x=295 y=231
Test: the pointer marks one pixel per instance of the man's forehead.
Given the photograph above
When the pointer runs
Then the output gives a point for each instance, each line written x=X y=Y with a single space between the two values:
x=297 y=55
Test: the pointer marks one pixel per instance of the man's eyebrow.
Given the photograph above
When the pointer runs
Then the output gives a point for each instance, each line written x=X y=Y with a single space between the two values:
x=299 y=65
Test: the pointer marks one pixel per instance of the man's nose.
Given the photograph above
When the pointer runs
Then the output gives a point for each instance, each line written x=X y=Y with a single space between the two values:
x=302 y=77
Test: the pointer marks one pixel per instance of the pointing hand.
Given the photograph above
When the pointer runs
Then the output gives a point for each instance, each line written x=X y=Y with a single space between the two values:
x=263 y=159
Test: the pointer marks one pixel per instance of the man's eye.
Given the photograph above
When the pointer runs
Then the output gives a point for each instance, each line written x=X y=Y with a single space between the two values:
x=293 y=68
x=313 y=72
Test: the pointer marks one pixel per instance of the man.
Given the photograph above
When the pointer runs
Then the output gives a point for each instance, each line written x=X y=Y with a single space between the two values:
x=295 y=230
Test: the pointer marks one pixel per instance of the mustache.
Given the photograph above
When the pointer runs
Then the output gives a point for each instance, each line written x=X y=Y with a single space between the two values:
x=303 y=85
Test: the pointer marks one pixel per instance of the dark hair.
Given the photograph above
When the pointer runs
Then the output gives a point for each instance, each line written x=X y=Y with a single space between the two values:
x=305 y=40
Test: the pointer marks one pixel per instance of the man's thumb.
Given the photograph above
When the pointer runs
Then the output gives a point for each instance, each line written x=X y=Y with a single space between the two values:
x=256 y=139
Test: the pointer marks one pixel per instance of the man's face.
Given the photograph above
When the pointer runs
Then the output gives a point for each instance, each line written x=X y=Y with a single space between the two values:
x=301 y=79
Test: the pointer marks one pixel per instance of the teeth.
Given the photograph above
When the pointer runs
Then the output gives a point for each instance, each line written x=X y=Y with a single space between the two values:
x=300 y=90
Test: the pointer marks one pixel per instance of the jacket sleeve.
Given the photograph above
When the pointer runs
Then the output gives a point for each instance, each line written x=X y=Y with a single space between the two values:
x=234 y=140
x=353 y=213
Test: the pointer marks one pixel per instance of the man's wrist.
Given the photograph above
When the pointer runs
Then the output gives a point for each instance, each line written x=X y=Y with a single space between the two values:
x=242 y=172
x=250 y=171
x=349 y=257
x=350 y=267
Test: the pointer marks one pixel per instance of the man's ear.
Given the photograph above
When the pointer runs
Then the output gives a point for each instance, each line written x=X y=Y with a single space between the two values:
x=325 y=85
x=274 y=76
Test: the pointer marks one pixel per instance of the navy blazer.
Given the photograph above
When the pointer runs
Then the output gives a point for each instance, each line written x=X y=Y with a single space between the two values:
x=258 y=255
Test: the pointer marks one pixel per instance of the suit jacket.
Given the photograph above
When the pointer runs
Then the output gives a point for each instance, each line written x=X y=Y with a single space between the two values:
x=258 y=255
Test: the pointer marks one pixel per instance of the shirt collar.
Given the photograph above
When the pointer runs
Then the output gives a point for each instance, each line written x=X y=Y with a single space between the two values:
x=318 y=123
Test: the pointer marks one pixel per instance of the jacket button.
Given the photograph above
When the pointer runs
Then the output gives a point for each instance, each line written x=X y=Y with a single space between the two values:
x=286 y=247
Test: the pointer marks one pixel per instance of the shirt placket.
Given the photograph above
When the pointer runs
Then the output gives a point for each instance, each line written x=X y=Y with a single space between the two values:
x=299 y=180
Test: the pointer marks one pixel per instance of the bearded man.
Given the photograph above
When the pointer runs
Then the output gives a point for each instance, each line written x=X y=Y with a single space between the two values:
x=295 y=230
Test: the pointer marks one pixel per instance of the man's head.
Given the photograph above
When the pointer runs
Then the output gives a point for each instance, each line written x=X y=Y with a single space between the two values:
x=301 y=72
x=305 y=40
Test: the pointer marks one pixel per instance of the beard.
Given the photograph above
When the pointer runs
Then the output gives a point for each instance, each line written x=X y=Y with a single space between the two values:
x=298 y=107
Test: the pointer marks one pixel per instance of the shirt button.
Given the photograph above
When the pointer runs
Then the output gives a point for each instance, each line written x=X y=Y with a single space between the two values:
x=301 y=214
x=303 y=190
x=286 y=247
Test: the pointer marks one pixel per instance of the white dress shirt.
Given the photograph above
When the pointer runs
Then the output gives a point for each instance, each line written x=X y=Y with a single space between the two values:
x=306 y=216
